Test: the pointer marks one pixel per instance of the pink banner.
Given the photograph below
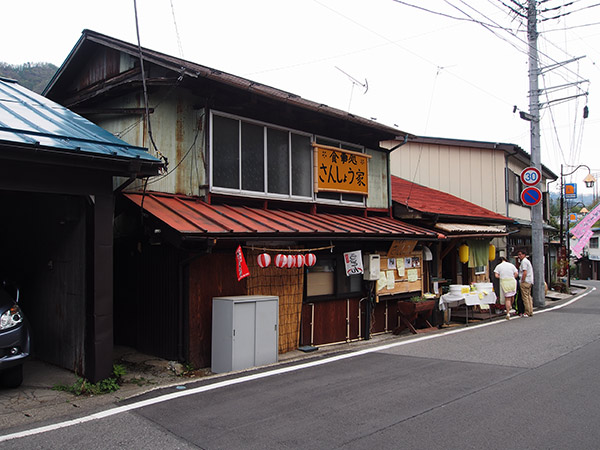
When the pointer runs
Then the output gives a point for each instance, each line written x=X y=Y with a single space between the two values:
x=586 y=223
x=579 y=246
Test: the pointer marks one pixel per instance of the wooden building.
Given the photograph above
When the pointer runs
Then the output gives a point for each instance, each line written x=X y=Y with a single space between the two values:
x=252 y=169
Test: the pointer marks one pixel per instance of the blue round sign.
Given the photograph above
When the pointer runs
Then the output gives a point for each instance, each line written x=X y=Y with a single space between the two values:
x=531 y=196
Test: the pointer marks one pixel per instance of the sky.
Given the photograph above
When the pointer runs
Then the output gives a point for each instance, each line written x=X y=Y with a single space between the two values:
x=456 y=70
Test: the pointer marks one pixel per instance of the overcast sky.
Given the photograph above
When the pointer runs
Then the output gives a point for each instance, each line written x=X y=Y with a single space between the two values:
x=427 y=73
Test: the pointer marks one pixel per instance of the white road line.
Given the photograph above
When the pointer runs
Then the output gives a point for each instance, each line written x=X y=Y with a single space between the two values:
x=256 y=376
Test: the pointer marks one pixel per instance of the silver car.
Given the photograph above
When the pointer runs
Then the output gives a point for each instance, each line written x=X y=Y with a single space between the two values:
x=15 y=340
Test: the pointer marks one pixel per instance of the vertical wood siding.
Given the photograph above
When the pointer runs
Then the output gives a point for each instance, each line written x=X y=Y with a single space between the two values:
x=210 y=275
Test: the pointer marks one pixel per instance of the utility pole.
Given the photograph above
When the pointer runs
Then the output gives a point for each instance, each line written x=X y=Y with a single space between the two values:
x=537 y=230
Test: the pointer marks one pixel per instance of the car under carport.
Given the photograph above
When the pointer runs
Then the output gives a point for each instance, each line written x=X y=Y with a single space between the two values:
x=58 y=176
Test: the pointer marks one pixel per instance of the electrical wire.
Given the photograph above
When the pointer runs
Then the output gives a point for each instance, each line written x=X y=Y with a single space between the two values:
x=420 y=56
x=141 y=57
x=179 y=46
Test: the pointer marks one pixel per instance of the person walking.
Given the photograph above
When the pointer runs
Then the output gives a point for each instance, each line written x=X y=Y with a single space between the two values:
x=526 y=279
x=507 y=273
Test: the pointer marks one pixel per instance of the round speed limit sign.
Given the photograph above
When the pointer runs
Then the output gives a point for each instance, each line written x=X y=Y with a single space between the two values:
x=530 y=176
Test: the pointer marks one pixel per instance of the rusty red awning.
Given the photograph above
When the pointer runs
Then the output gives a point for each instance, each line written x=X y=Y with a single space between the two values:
x=194 y=217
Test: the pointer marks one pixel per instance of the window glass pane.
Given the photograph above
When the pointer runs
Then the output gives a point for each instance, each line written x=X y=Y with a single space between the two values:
x=321 y=278
x=278 y=162
x=225 y=152
x=346 y=284
x=594 y=242
x=301 y=165
x=352 y=148
x=329 y=195
x=329 y=142
x=253 y=156
x=353 y=198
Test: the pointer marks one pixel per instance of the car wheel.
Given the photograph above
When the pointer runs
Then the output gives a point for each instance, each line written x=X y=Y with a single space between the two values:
x=13 y=377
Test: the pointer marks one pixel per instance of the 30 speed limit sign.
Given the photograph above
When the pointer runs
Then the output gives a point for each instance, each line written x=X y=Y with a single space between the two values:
x=530 y=176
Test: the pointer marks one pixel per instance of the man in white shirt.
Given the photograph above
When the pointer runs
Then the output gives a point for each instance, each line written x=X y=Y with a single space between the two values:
x=526 y=278
x=507 y=274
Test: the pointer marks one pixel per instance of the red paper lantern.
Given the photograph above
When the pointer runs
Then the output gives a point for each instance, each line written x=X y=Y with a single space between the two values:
x=264 y=259
x=291 y=261
x=310 y=259
x=299 y=260
x=281 y=261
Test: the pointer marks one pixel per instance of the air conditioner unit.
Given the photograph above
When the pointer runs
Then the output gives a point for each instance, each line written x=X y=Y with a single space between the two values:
x=371 y=265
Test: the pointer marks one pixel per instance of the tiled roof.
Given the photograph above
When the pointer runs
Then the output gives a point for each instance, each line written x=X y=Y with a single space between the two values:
x=431 y=201
x=192 y=216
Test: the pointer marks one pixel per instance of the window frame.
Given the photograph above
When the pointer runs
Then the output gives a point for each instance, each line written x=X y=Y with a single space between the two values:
x=339 y=273
x=264 y=193
x=342 y=198
x=514 y=187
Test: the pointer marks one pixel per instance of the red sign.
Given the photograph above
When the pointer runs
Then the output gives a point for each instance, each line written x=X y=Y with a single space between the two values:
x=530 y=176
x=531 y=196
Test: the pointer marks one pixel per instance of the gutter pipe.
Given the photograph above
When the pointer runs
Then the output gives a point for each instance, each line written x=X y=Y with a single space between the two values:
x=389 y=168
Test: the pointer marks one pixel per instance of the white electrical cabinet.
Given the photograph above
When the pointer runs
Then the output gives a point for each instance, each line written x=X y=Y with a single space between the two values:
x=244 y=332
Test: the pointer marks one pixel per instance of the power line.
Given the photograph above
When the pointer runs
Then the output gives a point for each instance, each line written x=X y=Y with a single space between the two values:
x=512 y=34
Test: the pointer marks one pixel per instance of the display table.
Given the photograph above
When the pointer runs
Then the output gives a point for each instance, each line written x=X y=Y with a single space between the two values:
x=476 y=298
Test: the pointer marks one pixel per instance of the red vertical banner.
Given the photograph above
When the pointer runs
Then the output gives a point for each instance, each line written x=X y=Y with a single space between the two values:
x=241 y=267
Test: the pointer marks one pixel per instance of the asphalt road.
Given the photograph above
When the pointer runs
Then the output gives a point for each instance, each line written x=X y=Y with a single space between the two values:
x=524 y=383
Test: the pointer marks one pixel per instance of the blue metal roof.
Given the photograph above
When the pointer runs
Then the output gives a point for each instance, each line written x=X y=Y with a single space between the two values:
x=29 y=119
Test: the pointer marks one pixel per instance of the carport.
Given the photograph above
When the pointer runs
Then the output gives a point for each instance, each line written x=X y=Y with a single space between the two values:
x=58 y=174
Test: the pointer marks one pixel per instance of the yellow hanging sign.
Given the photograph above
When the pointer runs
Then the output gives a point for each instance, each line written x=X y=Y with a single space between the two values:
x=338 y=170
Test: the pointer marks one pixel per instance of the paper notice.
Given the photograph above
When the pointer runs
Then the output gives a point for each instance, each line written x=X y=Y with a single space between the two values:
x=400 y=267
x=382 y=281
x=391 y=279
x=413 y=274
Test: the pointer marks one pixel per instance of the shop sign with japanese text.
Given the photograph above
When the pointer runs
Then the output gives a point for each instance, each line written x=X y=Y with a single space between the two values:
x=353 y=263
x=340 y=170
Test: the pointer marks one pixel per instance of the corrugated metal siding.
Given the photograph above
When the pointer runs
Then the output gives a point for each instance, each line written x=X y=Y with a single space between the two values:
x=473 y=174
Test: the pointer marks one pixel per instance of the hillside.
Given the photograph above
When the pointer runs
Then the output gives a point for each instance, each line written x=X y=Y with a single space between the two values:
x=34 y=76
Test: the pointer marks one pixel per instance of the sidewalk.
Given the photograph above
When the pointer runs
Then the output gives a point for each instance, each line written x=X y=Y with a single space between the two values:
x=36 y=402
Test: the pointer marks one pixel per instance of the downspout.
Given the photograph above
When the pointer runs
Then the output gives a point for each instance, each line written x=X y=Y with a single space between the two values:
x=389 y=168
x=506 y=157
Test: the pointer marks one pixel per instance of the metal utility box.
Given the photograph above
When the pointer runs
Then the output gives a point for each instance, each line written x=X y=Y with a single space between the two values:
x=244 y=332
x=371 y=267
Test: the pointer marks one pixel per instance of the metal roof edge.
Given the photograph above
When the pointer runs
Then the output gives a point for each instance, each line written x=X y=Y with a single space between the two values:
x=177 y=64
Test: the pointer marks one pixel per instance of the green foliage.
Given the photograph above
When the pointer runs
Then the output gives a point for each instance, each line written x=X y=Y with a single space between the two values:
x=34 y=76
x=84 y=387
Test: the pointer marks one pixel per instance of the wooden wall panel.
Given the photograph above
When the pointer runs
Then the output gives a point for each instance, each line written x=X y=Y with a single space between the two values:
x=211 y=275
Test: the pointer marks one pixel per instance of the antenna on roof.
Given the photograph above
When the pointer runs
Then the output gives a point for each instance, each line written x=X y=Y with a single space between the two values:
x=355 y=82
